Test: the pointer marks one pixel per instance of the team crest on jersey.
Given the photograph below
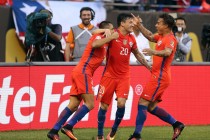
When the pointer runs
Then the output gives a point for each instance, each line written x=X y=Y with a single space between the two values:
x=159 y=43
x=125 y=41
x=98 y=37
x=172 y=44
x=130 y=44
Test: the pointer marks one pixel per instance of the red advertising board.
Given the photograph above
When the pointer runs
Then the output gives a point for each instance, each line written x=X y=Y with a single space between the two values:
x=32 y=97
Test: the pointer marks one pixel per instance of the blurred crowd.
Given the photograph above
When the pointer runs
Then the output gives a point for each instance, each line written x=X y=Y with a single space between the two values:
x=157 y=5
x=164 y=5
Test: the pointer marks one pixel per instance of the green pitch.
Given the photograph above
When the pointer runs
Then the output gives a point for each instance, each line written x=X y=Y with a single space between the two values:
x=149 y=133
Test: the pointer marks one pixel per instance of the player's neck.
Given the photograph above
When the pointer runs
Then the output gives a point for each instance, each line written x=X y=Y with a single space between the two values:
x=167 y=32
x=122 y=31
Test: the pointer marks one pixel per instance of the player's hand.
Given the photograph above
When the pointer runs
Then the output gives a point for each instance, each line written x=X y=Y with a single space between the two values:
x=147 y=52
x=136 y=20
x=115 y=35
x=107 y=33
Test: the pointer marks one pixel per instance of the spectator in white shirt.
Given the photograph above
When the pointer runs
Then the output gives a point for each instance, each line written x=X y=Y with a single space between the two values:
x=142 y=43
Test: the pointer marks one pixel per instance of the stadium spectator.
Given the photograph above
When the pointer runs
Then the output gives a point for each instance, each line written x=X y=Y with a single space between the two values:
x=142 y=43
x=122 y=4
x=5 y=2
x=82 y=83
x=205 y=6
x=160 y=75
x=195 y=2
x=173 y=5
x=79 y=35
x=183 y=39
x=116 y=77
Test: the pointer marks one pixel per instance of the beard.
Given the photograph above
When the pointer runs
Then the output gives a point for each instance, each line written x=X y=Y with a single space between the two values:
x=86 y=21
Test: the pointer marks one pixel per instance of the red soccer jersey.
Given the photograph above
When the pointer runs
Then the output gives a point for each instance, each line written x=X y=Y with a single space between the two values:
x=161 y=65
x=91 y=58
x=118 y=56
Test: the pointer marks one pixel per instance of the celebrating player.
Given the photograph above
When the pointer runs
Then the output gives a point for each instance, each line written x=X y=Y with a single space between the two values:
x=160 y=75
x=82 y=82
x=116 y=76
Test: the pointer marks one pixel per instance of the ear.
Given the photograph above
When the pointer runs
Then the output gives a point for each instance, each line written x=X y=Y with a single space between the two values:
x=122 y=23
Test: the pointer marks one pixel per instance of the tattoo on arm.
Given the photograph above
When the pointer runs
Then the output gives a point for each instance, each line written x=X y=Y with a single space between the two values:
x=147 y=33
x=141 y=59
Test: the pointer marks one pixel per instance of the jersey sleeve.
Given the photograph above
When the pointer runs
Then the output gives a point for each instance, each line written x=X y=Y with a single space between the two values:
x=70 y=39
x=170 y=43
x=156 y=37
x=96 y=37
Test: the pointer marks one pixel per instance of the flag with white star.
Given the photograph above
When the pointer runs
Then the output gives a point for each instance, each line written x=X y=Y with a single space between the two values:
x=21 y=9
x=65 y=13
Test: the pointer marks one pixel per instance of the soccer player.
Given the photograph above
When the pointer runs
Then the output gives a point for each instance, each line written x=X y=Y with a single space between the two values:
x=116 y=77
x=82 y=82
x=160 y=75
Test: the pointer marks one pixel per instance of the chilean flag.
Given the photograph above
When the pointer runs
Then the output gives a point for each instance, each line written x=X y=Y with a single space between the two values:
x=23 y=8
x=66 y=13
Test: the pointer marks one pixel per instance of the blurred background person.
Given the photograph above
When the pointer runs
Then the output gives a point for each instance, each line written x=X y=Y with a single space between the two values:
x=184 y=40
x=142 y=43
x=79 y=35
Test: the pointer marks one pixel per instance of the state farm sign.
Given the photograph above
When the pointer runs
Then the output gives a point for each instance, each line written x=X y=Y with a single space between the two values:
x=32 y=97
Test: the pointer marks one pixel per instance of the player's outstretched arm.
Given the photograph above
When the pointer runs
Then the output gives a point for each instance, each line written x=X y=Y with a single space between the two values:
x=141 y=59
x=163 y=53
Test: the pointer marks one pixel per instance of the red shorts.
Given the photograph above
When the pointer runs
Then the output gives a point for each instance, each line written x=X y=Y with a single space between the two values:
x=154 y=89
x=81 y=83
x=109 y=85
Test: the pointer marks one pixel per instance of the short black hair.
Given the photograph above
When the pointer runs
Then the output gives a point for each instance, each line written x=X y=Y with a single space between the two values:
x=181 y=18
x=88 y=9
x=122 y=18
x=168 y=20
x=104 y=24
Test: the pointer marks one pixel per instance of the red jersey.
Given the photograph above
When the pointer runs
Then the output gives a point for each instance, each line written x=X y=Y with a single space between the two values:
x=118 y=56
x=161 y=65
x=91 y=58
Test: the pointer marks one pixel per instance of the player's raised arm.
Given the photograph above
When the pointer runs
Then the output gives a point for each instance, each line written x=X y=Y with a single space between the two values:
x=147 y=33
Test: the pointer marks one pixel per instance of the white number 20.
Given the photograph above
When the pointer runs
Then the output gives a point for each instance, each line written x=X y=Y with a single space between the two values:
x=124 y=51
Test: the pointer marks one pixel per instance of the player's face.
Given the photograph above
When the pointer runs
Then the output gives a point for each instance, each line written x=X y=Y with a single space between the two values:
x=111 y=28
x=128 y=25
x=160 y=26
x=86 y=17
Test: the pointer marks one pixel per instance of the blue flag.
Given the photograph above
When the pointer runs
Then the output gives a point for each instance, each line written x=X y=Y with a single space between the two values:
x=21 y=9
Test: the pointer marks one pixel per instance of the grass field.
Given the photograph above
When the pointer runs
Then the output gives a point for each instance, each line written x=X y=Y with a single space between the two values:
x=149 y=133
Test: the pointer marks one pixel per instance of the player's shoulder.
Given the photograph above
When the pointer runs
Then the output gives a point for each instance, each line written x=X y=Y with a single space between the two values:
x=131 y=36
x=172 y=37
x=98 y=36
